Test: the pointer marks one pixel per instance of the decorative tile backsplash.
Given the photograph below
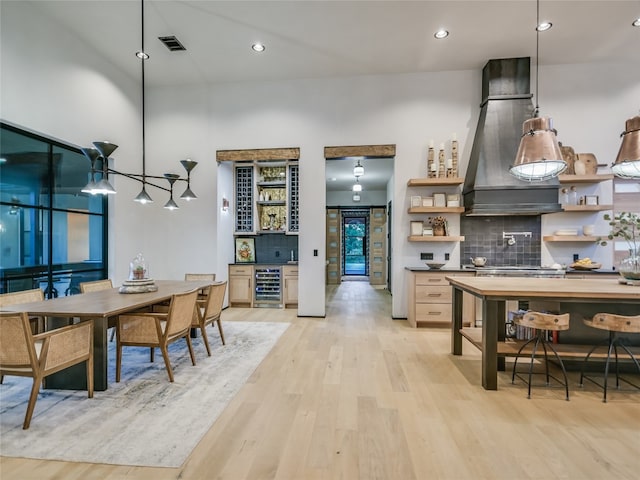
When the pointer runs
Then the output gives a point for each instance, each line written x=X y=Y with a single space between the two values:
x=276 y=248
x=484 y=238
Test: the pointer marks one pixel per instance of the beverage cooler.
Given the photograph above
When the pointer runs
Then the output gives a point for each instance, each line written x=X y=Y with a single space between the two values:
x=268 y=286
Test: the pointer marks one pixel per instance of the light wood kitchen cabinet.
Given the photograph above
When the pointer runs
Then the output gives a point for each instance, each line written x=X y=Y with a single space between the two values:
x=241 y=285
x=290 y=286
x=429 y=299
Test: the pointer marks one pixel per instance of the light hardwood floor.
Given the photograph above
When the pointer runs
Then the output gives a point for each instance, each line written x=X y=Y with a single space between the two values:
x=357 y=395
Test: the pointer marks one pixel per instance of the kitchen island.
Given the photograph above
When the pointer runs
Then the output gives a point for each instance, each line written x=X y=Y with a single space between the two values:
x=602 y=294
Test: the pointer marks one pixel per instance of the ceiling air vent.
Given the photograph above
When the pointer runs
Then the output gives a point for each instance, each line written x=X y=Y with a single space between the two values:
x=172 y=43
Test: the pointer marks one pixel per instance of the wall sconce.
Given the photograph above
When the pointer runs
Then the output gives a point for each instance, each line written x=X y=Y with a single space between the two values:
x=225 y=204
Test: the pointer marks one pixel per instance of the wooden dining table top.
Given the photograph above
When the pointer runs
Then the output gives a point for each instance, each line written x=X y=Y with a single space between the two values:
x=556 y=288
x=105 y=303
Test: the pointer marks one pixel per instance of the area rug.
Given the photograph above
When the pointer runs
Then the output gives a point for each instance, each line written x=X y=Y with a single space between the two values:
x=144 y=420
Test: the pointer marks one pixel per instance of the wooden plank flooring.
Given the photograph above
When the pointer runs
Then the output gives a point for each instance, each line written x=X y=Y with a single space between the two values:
x=357 y=395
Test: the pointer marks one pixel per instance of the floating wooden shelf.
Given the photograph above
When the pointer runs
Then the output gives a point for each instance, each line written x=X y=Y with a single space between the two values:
x=435 y=210
x=434 y=238
x=594 y=178
x=571 y=238
x=586 y=208
x=435 y=182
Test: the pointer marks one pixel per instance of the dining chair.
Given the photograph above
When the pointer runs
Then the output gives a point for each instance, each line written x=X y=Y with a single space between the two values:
x=542 y=324
x=96 y=286
x=199 y=277
x=38 y=356
x=208 y=311
x=157 y=329
x=25 y=296
x=615 y=325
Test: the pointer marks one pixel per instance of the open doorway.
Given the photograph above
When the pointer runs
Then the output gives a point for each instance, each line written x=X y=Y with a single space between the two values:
x=355 y=245
x=359 y=183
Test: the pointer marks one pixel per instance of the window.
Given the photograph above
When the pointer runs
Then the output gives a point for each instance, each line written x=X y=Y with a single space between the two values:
x=53 y=236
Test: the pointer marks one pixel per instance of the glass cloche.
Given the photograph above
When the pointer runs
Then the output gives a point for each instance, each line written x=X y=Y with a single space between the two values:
x=138 y=268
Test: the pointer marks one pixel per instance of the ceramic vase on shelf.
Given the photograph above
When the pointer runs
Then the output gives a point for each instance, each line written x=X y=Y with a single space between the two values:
x=438 y=231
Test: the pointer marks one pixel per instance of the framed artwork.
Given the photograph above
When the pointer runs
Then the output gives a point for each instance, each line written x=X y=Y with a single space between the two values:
x=245 y=250
x=439 y=199
x=591 y=199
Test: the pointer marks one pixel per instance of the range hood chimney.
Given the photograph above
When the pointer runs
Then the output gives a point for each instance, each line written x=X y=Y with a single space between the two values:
x=489 y=188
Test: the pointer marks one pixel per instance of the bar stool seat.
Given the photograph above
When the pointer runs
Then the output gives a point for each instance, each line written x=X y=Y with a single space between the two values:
x=615 y=325
x=542 y=323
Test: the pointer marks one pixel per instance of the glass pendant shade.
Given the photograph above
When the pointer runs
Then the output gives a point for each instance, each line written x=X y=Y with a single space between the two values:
x=539 y=157
x=358 y=170
x=356 y=197
x=357 y=187
x=627 y=164
x=143 y=197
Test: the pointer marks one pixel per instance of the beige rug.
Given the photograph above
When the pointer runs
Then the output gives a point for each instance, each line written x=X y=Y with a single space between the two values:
x=143 y=420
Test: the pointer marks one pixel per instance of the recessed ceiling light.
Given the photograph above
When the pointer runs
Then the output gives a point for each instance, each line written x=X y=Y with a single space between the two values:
x=544 y=26
x=440 y=34
x=636 y=22
x=258 y=47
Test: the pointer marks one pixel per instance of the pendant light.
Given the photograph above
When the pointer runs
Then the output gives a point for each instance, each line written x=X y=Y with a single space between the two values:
x=539 y=157
x=102 y=151
x=627 y=164
x=143 y=197
x=358 y=170
x=356 y=186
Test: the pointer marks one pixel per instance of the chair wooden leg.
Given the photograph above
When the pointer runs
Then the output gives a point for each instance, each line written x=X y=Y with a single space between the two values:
x=89 y=364
x=1 y=379
x=118 y=361
x=152 y=354
x=35 y=388
x=220 y=330
x=193 y=357
x=167 y=362
x=205 y=339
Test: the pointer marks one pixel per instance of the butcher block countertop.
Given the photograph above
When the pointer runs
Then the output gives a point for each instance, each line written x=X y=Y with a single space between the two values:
x=554 y=288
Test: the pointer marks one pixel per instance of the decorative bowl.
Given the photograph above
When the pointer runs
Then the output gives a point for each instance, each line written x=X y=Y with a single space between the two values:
x=434 y=266
x=590 y=266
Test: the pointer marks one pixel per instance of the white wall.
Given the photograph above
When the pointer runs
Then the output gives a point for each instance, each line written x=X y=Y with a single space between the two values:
x=367 y=198
x=67 y=93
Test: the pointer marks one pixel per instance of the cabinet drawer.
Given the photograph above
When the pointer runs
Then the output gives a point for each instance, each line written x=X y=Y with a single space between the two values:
x=433 y=313
x=427 y=279
x=433 y=294
x=240 y=270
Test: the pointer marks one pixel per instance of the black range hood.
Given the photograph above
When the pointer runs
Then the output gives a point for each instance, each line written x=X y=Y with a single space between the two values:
x=489 y=188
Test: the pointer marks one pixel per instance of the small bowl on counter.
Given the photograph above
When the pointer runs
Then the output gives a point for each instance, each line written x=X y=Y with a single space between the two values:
x=434 y=265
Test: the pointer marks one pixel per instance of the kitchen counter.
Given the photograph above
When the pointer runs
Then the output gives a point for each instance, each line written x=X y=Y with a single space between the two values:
x=264 y=264
x=427 y=269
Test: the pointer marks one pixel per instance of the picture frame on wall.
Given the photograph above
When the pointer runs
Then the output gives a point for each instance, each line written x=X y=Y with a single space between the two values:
x=245 y=250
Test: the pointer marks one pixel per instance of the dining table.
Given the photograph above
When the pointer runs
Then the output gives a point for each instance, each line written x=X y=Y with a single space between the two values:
x=597 y=294
x=98 y=307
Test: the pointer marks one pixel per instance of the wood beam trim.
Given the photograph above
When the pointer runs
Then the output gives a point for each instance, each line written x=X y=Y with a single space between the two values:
x=259 y=154
x=372 y=151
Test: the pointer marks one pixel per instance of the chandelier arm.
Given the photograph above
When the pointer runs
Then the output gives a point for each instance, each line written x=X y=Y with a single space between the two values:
x=137 y=177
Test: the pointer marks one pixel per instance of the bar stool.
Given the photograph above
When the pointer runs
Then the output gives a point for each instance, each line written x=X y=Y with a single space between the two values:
x=614 y=324
x=542 y=323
